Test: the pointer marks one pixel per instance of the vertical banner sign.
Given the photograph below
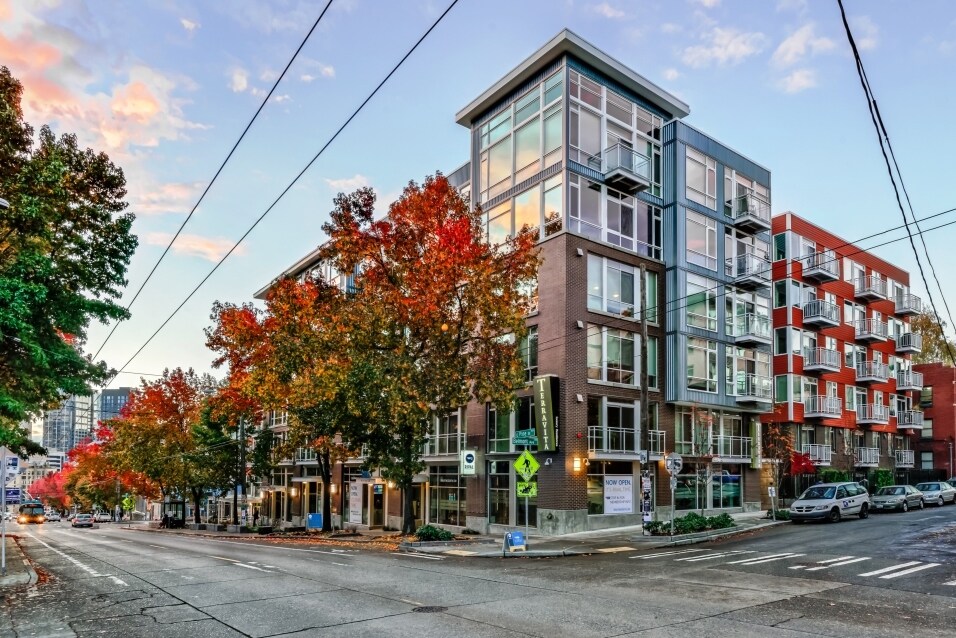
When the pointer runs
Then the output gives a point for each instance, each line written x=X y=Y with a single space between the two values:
x=468 y=463
x=755 y=441
x=355 y=502
x=618 y=494
x=546 y=391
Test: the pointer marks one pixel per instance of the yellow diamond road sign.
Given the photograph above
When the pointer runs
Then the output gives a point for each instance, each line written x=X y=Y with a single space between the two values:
x=526 y=465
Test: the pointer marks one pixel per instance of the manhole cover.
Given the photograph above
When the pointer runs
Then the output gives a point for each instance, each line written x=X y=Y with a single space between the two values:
x=429 y=610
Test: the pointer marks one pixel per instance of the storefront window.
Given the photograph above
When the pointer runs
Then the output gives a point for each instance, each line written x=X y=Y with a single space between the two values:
x=610 y=487
x=725 y=485
x=446 y=495
x=499 y=492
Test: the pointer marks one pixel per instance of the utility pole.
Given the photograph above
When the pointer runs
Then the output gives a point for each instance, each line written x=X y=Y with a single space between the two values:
x=240 y=471
x=645 y=408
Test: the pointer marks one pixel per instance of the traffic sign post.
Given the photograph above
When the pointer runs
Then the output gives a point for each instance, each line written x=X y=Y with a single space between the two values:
x=673 y=462
x=4 y=454
x=526 y=466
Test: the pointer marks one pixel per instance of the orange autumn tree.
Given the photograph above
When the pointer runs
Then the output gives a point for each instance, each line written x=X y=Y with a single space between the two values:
x=435 y=318
x=93 y=479
x=51 y=489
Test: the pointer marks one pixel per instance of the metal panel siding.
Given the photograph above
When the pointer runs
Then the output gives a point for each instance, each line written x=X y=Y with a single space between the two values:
x=587 y=71
x=460 y=176
x=722 y=154
x=827 y=239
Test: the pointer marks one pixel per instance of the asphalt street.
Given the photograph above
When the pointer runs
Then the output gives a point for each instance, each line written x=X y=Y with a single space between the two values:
x=889 y=575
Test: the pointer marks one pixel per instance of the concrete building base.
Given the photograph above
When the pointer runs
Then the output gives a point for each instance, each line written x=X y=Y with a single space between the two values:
x=554 y=522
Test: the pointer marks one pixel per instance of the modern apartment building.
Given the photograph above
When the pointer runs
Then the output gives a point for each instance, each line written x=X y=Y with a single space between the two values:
x=69 y=425
x=629 y=204
x=842 y=344
x=937 y=400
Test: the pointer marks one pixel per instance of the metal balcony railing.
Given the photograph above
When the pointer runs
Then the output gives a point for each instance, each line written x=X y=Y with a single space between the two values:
x=822 y=359
x=752 y=328
x=625 y=168
x=821 y=312
x=822 y=406
x=872 y=371
x=657 y=441
x=905 y=458
x=608 y=440
x=751 y=211
x=870 y=330
x=909 y=380
x=819 y=454
x=731 y=446
x=907 y=304
x=823 y=266
x=867 y=457
x=909 y=419
x=753 y=387
x=443 y=445
x=870 y=287
x=304 y=455
x=909 y=342
x=872 y=413
x=749 y=270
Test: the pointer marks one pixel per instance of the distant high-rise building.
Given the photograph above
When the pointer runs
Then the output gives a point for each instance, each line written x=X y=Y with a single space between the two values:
x=107 y=404
x=64 y=427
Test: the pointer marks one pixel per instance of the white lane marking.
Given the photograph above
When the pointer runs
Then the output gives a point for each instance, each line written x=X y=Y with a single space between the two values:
x=91 y=571
x=460 y=552
x=890 y=569
x=833 y=560
x=117 y=581
x=411 y=602
x=803 y=567
x=611 y=550
x=750 y=558
x=156 y=546
x=952 y=582
x=279 y=547
x=258 y=569
x=341 y=564
x=231 y=560
x=658 y=555
x=412 y=555
x=845 y=562
x=694 y=559
x=768 y=559
x=926 y=518
x=911 y=570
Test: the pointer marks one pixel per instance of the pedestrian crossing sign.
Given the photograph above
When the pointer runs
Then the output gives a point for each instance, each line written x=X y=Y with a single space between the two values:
x=527 y=489
x=526 y=465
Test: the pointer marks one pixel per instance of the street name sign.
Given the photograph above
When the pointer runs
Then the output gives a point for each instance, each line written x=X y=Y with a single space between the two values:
x=12 y=495
x=526 y=465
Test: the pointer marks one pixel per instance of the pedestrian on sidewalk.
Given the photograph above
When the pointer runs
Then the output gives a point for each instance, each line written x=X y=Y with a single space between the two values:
x=255 y=517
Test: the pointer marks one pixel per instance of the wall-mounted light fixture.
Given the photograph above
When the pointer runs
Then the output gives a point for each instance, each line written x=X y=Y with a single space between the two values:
x=576 y=464
x=391 y=485
x=294 y=492
x=333 y=488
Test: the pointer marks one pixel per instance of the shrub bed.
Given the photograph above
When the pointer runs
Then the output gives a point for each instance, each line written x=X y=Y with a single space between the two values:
x=431 y=533
x=691 y=523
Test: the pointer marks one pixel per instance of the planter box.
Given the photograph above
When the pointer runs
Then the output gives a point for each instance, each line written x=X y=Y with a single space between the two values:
x=265 y=529
x=197 y=526
x=237 y=529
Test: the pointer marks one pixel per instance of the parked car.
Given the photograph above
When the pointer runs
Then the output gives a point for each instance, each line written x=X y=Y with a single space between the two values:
x=53 y=517
x=937 y=492
x=831 y=502
x=82 y=520
x=102 y=517
x=897 y=497
x=952 y=481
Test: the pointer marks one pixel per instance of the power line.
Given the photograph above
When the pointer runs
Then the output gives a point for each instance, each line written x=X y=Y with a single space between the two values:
x=289 y=187
x=878 y=125
x=218 y=171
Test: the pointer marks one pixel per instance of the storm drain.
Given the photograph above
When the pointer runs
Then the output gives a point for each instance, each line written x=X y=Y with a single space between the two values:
x=430 y=610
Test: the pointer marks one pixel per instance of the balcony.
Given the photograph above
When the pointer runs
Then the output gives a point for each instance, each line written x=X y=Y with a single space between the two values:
x=822 y=360
x=657 y=441
x=612 y=442
x=749 y=270
x=905 y=458
x=909 y=343
x=751 y=212
x=442 y=445
x=304 y=455
x=731 y=447
x=821 y=267
x=822 y=407
x=909 y=380
x=909 y=420
x=872 y=372
x=625 y=169
x=870 y=288
x=751 y=329
x=870 y=330
x=908 y=305
x=819 y=454
x=752 y=388
x=867 y=457
x=821 y=314
x=872 y=414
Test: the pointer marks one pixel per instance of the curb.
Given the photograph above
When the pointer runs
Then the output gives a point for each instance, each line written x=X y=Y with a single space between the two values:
x=690 y=539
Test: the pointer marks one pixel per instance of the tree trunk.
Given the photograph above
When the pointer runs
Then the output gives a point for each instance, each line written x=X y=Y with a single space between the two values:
x=325 y=467
x=408 y=517
x=235 y=504
x=197 y=499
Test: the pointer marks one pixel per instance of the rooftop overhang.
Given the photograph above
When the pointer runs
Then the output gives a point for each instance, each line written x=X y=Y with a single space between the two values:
x=570 y=43
x=294 y=270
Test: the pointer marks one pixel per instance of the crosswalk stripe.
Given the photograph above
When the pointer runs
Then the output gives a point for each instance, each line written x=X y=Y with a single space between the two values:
x=952 y=582
x=832 y=560
x=751 y=558
x=681 y=551
x=911 y=570
x=845 y=562
x=694 y=559
x=612 y=550
x=798 y=567
x=890 y=569
x=770 y=560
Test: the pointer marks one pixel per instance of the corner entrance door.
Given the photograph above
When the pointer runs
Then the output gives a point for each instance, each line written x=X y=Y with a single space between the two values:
x=378 y=505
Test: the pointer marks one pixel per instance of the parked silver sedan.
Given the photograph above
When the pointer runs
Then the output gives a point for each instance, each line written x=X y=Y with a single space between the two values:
x=937 y=492
x=897 y=497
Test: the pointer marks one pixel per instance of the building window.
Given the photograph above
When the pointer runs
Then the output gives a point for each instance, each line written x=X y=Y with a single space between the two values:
x=612 y=355
x=529 y=354
x=609 y=474
x=613 y=287
x=926 y=460
x=503 y=423
x=781 y=388
x=446 y=435
x=650 y=295
x=701 y=178
x=499 y=492
x=525 y=213
x=701 y=240
x=927 y=431
x=652 y=362
x=585 y=209
x=701 y=364
x=779 y=293
x=780 y=341
x=779 y=246
x=701 y=302
x=446 y=491
x=926 y=397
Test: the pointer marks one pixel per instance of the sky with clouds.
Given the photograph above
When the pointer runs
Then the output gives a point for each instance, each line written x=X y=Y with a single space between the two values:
x=165 y=87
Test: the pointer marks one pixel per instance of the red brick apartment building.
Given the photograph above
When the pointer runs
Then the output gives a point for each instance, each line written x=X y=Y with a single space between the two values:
x=934 y=448
x=843 y=379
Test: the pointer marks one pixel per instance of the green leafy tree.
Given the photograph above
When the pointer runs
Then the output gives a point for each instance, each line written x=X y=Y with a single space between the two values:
x=65 y=244
x=17 y=439
x=936 y=346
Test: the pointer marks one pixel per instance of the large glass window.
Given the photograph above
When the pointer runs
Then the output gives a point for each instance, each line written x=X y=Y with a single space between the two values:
x=525 y=212
x=529 y=353
x=652 y=362
x=499 y=492
x=701 y=302
x=701 y=178
x=701 y=240
x=701 y=364
x=608 y=475
x=446 y=491
x=612 y=286
x=612 y=355
x=553 y=206
x=585 y=211
x=446 y=435
x=503 y=423
x=650 y=293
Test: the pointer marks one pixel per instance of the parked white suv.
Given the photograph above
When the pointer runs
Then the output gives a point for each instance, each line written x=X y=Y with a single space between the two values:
x=831 y=502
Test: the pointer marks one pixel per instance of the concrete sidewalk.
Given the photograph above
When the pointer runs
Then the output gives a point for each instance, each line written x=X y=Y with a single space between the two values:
x=608 y=541
x=19 y=569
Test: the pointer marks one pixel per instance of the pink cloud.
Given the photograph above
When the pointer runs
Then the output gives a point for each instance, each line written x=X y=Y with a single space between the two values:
x=135 y=102
x=209 y=248
x=173 y=197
